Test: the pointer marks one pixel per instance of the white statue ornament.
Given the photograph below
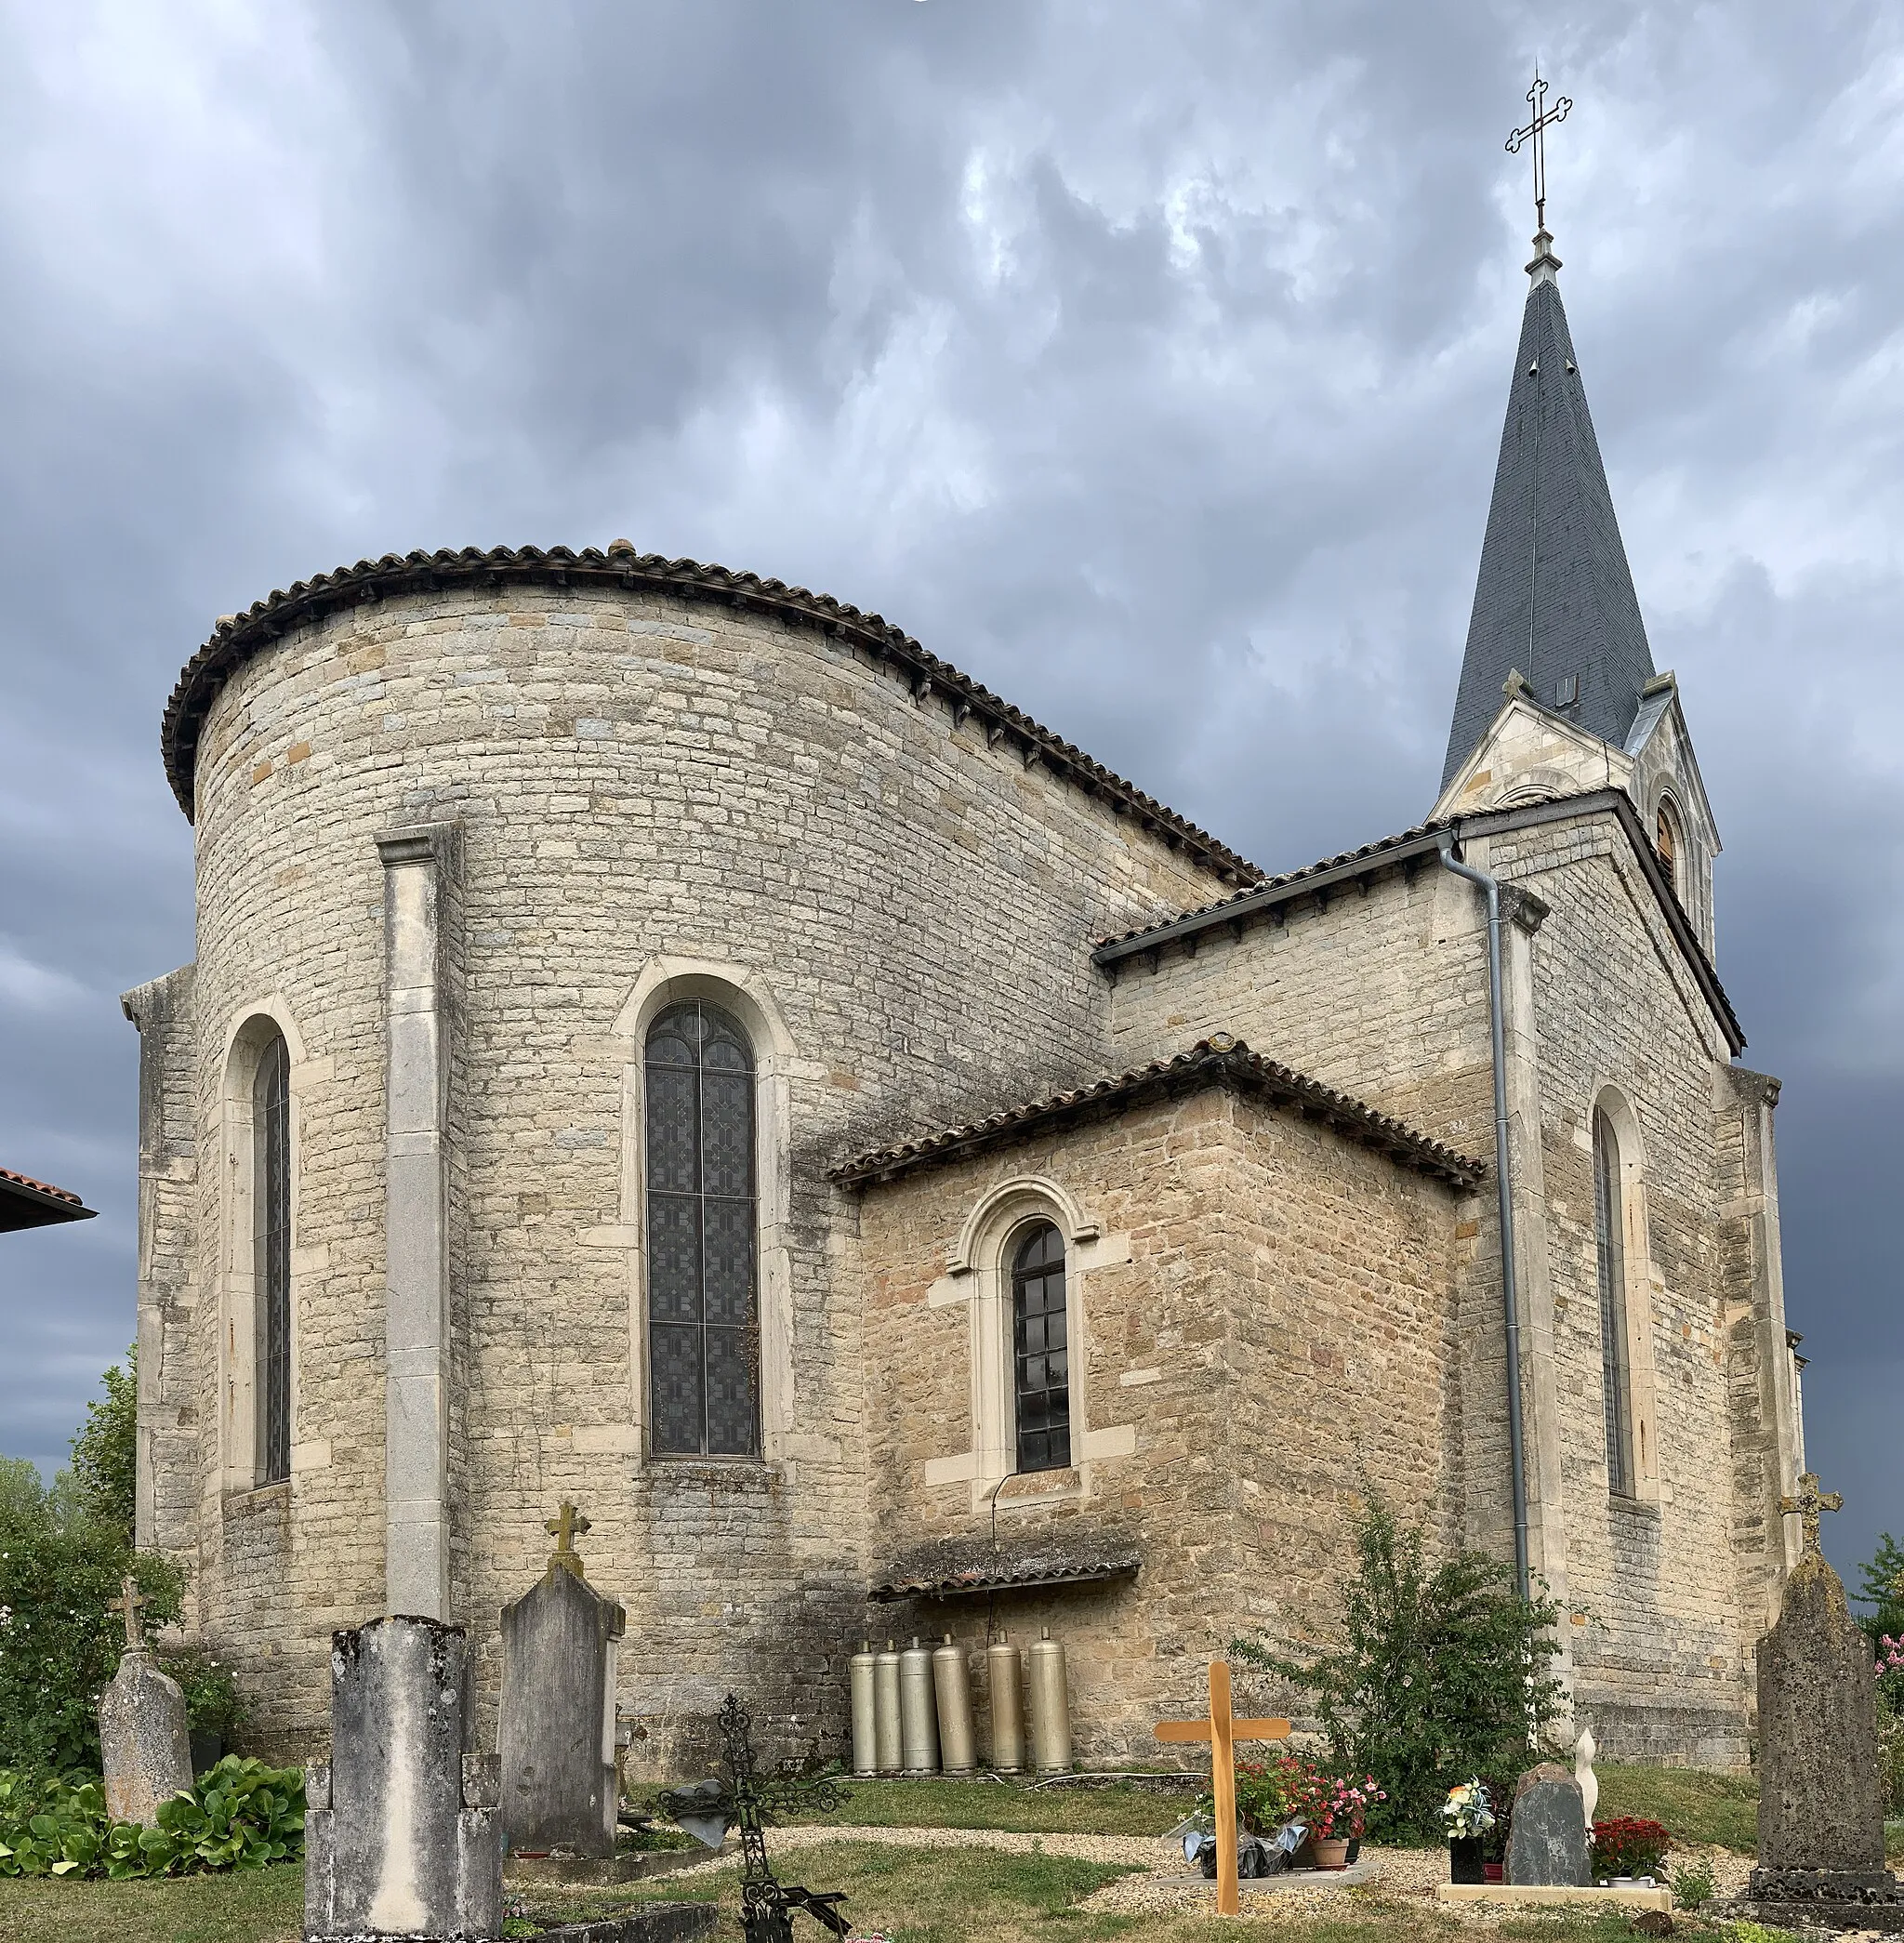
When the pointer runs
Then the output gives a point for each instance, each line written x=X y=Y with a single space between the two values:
x=1584 y=1750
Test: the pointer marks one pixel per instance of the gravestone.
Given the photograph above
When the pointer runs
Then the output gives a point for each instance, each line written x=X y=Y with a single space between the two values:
x=1547 y=1838
x=557 y=1731
x=1821 y=1815
x=144 y=1744
x=401 y=1837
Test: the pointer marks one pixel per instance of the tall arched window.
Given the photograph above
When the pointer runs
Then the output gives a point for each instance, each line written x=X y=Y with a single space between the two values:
x=1610 y=1222
x=704 y=1341
x=270 y=1228
x=1040 y=1356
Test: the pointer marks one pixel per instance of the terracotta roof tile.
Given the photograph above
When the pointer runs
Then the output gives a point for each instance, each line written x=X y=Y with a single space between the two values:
x=57 y=1194
x=238 y=637
x=1216 y=1061
x=980 y=1579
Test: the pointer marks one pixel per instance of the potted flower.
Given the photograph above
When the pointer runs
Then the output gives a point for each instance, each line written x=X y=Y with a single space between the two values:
x=1468 y=1815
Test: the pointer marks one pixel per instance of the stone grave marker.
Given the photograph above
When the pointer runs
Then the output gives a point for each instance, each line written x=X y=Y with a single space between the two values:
x=402 y=1836
x=144 y=1744
x=1547 y=1839
x=1821 y=1815
x=557 y=1731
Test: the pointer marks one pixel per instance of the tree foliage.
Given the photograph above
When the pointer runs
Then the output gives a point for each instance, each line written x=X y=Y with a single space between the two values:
x=63 y=1551
x=1434 y=1675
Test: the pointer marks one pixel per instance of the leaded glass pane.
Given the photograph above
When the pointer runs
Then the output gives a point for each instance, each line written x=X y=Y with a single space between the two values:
x=702 y=1218
x=673 y=1107
x=1608 y=1225
x=674 y=1258
x=732 y=1414
x=674 y=1354
x=727 y=1133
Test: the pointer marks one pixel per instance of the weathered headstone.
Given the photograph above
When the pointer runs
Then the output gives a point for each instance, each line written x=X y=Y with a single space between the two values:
x=1821 y=1815
x=144 y=1744
x=557 y=1733
x=1547 y=1839
x=401 y=1837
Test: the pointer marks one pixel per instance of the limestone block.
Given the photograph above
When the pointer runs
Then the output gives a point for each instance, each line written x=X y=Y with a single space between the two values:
x=398 y=1852
x=557 y=1731
x=143 y=1742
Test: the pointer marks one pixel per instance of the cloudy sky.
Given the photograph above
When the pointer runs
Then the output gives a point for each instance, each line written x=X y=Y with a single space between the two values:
x=1147 y=359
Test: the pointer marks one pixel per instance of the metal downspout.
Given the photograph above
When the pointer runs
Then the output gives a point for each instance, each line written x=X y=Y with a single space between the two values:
x=1503 y=1184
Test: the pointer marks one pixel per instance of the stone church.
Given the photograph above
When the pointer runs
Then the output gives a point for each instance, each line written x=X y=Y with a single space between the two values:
x=661 y=1037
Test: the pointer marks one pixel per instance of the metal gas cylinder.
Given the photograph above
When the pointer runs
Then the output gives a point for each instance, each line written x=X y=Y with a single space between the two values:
x=1005 y=1683
x=865 y=1735
x=886 y=1707
x=953 y=1686
x=919 y=1714
x=1050 y=1706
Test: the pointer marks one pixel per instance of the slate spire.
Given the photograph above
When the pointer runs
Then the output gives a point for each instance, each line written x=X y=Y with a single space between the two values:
x=1554 y=596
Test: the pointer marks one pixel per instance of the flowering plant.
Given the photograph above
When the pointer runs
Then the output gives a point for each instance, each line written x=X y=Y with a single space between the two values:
x=1628 y=1846
x=1467 y=1810
x=1890 y=1654
x=1335 y=1806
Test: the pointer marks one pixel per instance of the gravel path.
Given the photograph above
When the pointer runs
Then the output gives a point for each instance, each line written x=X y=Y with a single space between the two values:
x=1404 y=1875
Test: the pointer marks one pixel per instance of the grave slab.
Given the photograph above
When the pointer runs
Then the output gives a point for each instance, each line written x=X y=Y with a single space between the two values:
x=1547 y=1841
x=1537 y=1894
x=145 y=1750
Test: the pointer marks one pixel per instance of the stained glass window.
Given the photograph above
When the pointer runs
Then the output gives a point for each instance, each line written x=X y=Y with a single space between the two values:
x=271 y=1237
x=1608 y=1236
x=704 y=1347
x=1042 y=1378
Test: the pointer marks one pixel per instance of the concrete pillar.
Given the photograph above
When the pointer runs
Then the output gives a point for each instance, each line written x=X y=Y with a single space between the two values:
x=417 y=865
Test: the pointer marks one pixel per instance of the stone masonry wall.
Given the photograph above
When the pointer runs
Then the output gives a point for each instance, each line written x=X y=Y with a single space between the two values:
x=1267 y=1319
x=635 y=778
x=1385 y=993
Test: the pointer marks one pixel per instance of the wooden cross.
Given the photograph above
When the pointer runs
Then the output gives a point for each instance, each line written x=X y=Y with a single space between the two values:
x=1808 y=1505
x=129 y=1602
x=1221 y=1730
x=565 y=1525
x=1536 y=132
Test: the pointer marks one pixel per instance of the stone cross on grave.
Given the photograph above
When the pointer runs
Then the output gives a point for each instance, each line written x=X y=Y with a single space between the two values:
x=564 y=1526
x=1809 y=1505
x=129 y=1602
x=1222 y=1730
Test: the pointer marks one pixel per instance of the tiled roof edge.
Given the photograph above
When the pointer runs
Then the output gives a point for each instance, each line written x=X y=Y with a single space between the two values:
x=40 y=1187
x=1216 y=1061
x=238 y=637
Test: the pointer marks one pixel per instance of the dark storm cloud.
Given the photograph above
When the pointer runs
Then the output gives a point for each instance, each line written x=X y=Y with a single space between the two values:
x=1147 y=361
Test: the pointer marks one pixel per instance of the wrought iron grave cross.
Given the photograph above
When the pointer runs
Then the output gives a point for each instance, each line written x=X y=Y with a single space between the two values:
x=129 y=1602
x=564 y=1526
x=1536 y=132
x=1808 y=1505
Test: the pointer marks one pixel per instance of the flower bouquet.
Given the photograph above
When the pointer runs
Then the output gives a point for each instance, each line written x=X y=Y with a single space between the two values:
x=1468 y=1815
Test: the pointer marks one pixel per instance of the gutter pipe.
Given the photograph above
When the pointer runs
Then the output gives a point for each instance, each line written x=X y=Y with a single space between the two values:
x=1503 y=1183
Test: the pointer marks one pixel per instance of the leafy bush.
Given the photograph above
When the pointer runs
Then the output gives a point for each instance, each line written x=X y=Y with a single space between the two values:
x=241 y=1814
x=63 y=1552
x=1628 y=1846
x=1263 y=1795
x=212 y=1704
x=1693 y=1886
x=1891 y=1753
x=1436 y=1675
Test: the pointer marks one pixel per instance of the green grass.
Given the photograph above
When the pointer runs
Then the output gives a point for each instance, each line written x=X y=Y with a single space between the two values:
x=252 y=1906
x=1006 y=1804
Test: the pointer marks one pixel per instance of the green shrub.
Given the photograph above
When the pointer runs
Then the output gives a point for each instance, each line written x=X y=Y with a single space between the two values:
x=60 y=1644
x=240 y=1815
x=212 y=1704
x=1436 y=1675
x=1693 y=1886
x=1891 y=1753
x=105 y=1453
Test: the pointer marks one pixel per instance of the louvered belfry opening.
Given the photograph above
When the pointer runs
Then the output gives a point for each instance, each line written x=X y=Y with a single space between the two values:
x=703 y=1272
x=271 y=1238
x=1040 y=1351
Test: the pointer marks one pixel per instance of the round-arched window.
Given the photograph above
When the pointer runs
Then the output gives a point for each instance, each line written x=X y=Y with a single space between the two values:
x=1041 y=1374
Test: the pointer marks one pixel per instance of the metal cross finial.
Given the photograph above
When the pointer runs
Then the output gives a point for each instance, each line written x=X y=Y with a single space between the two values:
x=129 y=1602
x=1536 y=132
x=564 y=1525
x=1809 y=1503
